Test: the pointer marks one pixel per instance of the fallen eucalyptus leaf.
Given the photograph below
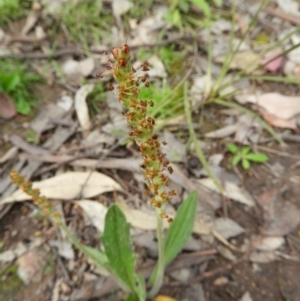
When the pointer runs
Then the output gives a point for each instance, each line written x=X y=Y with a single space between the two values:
x=81 y=106
x=270 y=243
x=232 y=190
x=67 y=186
x=281 y=106
x=227 y=227
x=95 y=212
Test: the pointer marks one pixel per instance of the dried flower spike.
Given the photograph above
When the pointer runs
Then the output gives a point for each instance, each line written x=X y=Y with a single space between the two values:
x=38 y=199
x=142 y=126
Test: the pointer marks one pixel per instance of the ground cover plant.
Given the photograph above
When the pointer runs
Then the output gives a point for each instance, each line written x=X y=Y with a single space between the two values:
x=17 y=82
x=118 y=259
x=160 y=158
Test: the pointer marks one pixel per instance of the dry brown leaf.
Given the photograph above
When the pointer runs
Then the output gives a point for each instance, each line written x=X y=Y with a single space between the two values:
x=68 y=185
x=233 y=191
x=31 y=265
x=245 y=59
x=280 y=216
x=146 y=221
x=120 y=7
x=246 y=297
x=81 y=106
x=278 y=122
x=95 y=212
x=31 y=20
x=227 y=227
x=270 y=243
x=86 y=66
x=7 y=106
x=281 y=106
x=263 y=257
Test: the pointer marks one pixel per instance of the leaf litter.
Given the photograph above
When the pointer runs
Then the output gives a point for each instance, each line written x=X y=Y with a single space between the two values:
x=278 y=110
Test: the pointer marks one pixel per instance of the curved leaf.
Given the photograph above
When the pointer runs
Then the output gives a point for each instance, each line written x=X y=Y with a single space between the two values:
x=257 y=157
x=181 y=228
x=245 y=164
x=232 y=147
x=117 y=244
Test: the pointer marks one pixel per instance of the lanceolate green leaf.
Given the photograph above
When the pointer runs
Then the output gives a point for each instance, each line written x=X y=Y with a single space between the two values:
x=116 y=241
x=202 y=4
x=245 y=164
x=181 y=228
x=236 y=159
x=257 y=157
x=245 y=150
x=232 y=147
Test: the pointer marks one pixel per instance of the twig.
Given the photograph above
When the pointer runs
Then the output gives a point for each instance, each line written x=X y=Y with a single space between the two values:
x=61 y=266
x=24 y=39
x=282 y=15
x=218 y=270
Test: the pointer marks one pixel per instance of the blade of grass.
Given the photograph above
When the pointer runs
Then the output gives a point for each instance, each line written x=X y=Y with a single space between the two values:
x=229 y=55
x=168 y=98
x=279 y=79
x=195 y=140
x=236 y=76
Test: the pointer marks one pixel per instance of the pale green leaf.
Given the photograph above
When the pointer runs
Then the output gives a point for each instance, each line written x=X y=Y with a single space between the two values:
x=245 y=150
x=232 y=147
x=203 y=5
x=257 y=157
x=245 y=164
x=236 y=159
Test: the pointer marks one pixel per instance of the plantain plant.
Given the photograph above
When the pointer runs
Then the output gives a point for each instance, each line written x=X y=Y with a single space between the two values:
x=118 y=258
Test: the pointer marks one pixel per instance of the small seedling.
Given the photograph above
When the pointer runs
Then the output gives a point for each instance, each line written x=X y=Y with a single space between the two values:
x=12 y=10
x=181 y=13
x=32 y=137
x=245 y=156
x=87 y=22
x=16 y=82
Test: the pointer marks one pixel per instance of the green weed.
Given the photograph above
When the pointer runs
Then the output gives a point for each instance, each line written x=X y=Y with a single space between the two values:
x=87 y=21
x=31 y=137
x=171 y=59
x=168 y=99
x=166 y=103
x=183 y=16
x=140 y=8
x=17 y=83
x=215 y=93
x=245 y=156
x=95 y=98
x=12 y=10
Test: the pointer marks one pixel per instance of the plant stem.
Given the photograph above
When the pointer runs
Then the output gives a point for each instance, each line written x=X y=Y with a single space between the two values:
x=161 y=257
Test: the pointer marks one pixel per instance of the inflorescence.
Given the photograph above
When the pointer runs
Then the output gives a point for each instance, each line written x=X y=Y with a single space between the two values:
x=38 y=199
x=142 y=126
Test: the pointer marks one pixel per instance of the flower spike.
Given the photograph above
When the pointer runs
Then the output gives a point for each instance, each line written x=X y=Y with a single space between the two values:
x=142 y=126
